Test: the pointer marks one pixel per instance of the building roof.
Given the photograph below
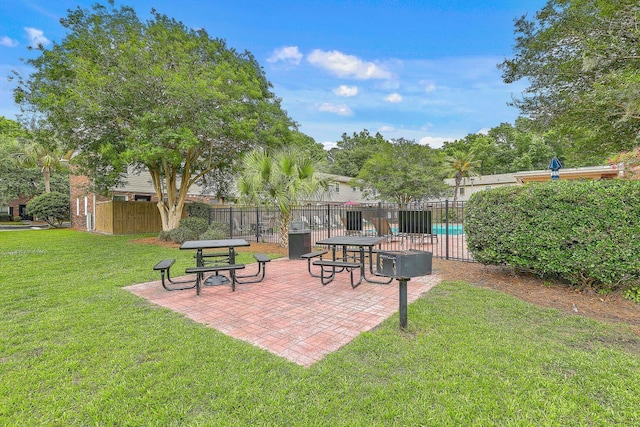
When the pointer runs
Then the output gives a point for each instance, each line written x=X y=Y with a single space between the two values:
x=590 y=172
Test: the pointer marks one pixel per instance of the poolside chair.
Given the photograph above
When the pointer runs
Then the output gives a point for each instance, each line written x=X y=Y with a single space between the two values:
x=317 y=222
x=382 y=227
x=237 y=228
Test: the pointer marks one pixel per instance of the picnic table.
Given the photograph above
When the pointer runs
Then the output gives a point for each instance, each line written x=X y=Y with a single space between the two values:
x=356 y=250
x=212 y=262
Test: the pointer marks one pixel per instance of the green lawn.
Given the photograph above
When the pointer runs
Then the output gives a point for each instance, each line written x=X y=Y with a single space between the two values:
x=77 y=349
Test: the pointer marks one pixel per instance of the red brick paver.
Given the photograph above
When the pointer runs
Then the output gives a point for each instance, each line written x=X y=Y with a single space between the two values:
x=290 y=313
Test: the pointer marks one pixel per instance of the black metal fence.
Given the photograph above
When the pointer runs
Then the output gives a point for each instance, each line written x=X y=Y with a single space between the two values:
x=435 y=226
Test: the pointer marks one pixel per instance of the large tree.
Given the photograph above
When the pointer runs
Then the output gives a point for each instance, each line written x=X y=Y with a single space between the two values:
x=155 y=95
x=352 y=152
x=582 y=61
x=281 y=179
x=403 y=171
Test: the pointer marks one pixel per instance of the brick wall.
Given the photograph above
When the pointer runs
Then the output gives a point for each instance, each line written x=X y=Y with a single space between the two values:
x=14 y=205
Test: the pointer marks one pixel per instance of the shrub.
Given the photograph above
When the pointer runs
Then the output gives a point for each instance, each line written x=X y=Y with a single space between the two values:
x=584 y=232
x=5 y=218
x=213 y=234
x=198 y=210
x=195 y=224
x=53 y=208
x=632 y=293
x=181 y=234
x=223 y=227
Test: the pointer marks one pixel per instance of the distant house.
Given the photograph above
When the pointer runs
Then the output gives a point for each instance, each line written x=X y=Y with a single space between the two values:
x=341 y=190
x=471 y=185
x=591 y=172
x=16 y=208
x=474 y=184
x=139 y=187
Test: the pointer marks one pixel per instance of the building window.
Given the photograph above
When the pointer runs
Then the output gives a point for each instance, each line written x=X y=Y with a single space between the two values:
x=141 y=198
x=337 y=187
x=119 y=198
x=461 y=191
x=488 y=187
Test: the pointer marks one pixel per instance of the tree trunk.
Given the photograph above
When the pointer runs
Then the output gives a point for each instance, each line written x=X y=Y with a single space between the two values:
x=285 y=221
x=47 y=180
x=170 y=215
x=456 y=189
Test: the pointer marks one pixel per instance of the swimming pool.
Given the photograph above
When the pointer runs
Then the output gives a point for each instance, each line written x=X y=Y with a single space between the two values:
x=454 y=229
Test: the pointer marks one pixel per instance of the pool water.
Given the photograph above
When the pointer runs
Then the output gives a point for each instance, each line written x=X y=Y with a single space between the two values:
x=454 y=229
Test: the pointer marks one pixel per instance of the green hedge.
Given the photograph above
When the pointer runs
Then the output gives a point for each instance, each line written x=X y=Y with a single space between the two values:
x=584 y=232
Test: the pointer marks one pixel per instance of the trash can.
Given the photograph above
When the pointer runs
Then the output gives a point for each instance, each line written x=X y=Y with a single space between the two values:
x=299 y=239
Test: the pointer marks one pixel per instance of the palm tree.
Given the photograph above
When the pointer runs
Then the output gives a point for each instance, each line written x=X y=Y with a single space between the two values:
x=281 y=179
x=35 y=154
x=462 y=164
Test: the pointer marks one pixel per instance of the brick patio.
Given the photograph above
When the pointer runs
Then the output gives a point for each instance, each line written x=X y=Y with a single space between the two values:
x=290 y=313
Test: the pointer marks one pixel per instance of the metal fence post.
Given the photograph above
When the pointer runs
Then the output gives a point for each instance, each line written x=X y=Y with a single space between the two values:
x=446 y=228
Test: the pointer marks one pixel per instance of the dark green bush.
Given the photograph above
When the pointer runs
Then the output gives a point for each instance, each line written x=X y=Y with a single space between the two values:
x=223 y=227
x=584 y=232
x=195 y=224
x=214 y=234
x=53 y=208
x=5 y=218
x=181 y=234
x=198 y=210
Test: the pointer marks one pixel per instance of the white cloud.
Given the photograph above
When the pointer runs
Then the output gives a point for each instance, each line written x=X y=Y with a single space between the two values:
x=428 y=85
x=328 y=145
x=484 y=131
x=347 y=65
x=394 y=98
x=344 y=90
x=434 y=142
x=289 y=54
x=341 y=110
x=386 y=129
x=36 y=37
x=8 y=42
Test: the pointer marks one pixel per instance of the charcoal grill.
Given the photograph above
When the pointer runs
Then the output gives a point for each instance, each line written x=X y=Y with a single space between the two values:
x=402 y=265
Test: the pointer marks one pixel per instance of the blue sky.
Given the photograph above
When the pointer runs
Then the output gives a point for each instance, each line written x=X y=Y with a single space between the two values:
x=418 y=69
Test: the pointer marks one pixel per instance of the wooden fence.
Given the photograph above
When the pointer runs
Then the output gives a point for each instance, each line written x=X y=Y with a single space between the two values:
x=120 y=217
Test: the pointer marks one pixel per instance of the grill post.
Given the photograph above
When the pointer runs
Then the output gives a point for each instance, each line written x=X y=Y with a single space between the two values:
x=403 y=302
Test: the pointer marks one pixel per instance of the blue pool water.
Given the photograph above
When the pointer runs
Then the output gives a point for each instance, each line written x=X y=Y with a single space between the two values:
x=455 y=229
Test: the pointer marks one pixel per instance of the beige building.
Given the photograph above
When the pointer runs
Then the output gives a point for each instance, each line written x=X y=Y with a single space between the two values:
x=470 y=185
